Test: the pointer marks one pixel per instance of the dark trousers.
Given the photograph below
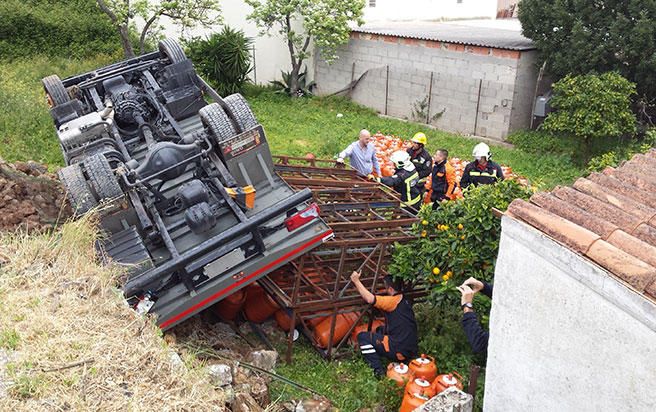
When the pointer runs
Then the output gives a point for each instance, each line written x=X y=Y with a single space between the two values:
x=437 y=199
x=373 y=345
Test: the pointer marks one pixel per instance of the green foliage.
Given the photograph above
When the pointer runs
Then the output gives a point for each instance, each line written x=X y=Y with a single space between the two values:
x=284 y=86
x=591 y=107
x=325 y=22
x=578 y=37
x=539 y=142
x=348 y=383
x=458 y=240
x=613 y=158
x=67 y=28
x=186 y=14
x=224 y=58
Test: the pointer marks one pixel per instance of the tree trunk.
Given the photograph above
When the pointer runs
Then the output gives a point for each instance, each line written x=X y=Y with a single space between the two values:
x=293 y=79
x=125 y=41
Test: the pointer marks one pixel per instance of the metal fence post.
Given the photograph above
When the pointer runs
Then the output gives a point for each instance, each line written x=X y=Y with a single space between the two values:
x=386 y=89
x=430 y=96
x=478 y=104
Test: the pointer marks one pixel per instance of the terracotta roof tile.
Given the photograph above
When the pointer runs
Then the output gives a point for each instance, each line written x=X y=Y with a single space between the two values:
x=607 y=195
x=633 y=271
x=647 y=233
x=609 y=217
x=605 y=211
x=612 y=183
x=564 y=231
x=595 y=224
x=633 y=246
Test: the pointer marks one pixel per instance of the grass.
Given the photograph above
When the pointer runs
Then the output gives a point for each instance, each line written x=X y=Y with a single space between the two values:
x=58 y=307
x=294 y=127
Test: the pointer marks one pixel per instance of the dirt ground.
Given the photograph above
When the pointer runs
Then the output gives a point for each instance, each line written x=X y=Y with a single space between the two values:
x=30 y=197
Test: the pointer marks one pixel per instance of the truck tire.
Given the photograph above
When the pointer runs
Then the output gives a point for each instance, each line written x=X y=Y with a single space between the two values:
x=102 y=178
x=217 y=122
x=171 y=49
x=55 y=91
x=77 y=190
x=242 y=112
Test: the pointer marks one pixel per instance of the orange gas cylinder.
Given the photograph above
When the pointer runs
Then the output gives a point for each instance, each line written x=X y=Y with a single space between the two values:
x=424 y=367
x=317 y=319
x=399 y=373
x=363 y=327
x=446 y=381
x=419 y=385
x=284 y=321
x=229 y=307
x=259 y=306
x=343 y=322
x=417 y=392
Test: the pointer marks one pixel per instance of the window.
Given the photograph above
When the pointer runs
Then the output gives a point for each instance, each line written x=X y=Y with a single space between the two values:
x=372 y=3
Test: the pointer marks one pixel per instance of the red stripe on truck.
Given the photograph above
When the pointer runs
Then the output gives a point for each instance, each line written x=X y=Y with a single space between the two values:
x=264 y=268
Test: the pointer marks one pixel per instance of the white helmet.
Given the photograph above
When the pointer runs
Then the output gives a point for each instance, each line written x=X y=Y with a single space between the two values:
x=401 y=160
x=481 y=150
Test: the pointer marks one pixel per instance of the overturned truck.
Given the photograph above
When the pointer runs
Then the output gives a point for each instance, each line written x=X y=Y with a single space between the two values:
x=185 y=189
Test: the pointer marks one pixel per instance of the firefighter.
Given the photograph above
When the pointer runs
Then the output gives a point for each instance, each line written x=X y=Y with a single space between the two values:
x=421 y=159
x=397 y=340
x=443 y=179
x=405 y=181
x=482 y=171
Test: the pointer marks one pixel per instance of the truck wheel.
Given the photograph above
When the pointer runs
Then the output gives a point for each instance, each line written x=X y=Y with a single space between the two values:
x=241 y=110
x=102 y=179
x=171 y=49
x=77 y=190
x=55 y=91
x=217 y=122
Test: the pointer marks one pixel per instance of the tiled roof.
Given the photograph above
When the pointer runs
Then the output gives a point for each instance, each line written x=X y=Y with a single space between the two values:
x=608 y=217
x=451 y=33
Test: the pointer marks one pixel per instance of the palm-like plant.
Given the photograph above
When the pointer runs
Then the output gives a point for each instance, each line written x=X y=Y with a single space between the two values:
x=284 y=86
x=224 y=58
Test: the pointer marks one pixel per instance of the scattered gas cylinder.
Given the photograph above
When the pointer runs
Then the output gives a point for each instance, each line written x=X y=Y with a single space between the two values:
x=259 y=305
x=284 y=321
x=229 y=307
x=424 y=367
x=343 y=323
x=445 y=381
x=399 y=373
x=363 y=327
x=417 y=392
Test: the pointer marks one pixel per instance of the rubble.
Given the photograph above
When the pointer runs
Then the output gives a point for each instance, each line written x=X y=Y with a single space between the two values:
x=220 y=374
x=264 y=359
x=245 y=403
x=30 y=197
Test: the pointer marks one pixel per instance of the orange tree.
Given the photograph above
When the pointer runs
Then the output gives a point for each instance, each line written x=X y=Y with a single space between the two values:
x=458 y=240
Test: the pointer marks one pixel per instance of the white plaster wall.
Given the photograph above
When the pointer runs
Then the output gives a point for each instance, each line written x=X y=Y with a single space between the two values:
x=396 y=10
x=271 y=52
x=564 y=335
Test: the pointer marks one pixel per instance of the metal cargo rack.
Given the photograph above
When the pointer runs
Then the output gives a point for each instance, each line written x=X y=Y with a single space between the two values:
x=367 y=219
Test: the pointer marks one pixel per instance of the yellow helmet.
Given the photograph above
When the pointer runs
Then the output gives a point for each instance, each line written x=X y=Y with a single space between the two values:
x=419 y=138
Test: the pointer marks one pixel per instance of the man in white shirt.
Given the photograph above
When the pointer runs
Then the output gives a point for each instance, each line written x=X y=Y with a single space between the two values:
x=362 y=155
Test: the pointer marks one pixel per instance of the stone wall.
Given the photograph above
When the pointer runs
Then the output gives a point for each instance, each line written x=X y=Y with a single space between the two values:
x=401 y=69
x=564 y=334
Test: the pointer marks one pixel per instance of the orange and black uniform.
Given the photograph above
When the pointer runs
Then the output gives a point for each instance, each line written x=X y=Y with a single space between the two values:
x=443 y=182
x=397 y=340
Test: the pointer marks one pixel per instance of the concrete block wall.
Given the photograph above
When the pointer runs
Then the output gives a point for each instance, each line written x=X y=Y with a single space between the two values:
x=458 y=73
x=565 y=335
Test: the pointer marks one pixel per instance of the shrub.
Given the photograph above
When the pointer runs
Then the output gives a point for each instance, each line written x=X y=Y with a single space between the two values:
x=458 y=240
x=67 y=28
x=539 y=142
x=224 y=58
x=591 y=107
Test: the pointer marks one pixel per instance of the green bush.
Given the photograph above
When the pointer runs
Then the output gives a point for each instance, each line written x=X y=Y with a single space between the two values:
x=304 y=87
x=67 y=28
x=592 y=107
x=539 y=142
x=224 y=58
x=613 y=158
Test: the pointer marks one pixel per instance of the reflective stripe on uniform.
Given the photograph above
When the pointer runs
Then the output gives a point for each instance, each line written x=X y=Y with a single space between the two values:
x=408 y=189
x=483 y=174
